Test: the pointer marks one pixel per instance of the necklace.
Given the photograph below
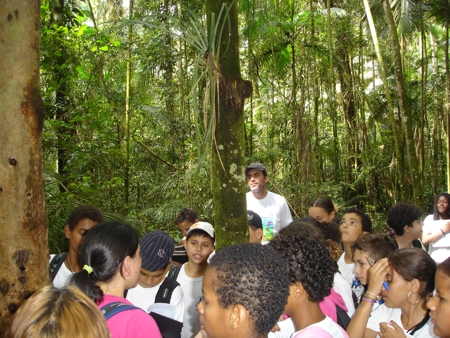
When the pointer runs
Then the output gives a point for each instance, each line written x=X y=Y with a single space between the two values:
x=68 y=265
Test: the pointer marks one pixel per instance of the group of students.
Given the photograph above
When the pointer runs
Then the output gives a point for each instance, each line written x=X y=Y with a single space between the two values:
x=377 y=287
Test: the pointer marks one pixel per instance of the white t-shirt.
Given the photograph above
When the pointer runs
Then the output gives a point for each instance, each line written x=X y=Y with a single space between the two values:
x=384 y=314
x=341 y=287
x=63 y=275
x=192 y=290
x=273 y=210
x=436 y=250
x=327 y=325
x=347 y=271
x=144 y=297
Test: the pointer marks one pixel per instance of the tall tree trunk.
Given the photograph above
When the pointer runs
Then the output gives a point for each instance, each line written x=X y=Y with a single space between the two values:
x=400 y=172
x=127 y=109
x=332 y=97
x=23 y=225
x=228 y=149
x=447 y=101
x=316 y=96
x=404 y=109
x=64 y=131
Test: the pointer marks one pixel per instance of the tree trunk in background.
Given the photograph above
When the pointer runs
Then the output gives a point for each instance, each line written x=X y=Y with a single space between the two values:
x=62 y=102
x=400 y=172
x=447 y=101
x=228 y=147
x=405 y=112
x=332 y=97
x=127 y=108
x=23 y=226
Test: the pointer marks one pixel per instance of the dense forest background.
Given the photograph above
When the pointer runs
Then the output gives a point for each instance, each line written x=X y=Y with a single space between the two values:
x=350 y=100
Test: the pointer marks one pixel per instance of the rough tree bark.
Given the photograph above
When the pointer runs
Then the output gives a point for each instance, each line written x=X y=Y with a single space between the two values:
x=23 y=226
x=404 y=109
x=228 y=149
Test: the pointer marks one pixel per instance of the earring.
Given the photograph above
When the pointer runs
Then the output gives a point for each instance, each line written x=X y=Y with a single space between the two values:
x=407 y=298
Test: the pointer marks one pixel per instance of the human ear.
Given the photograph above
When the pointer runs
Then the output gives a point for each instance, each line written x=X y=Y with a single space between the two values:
x=259 y=234
x=67 y=231
x=298 y=289
x=126 y=266
x=332 y=214
x=238 y=317
x=415 y=285
x=266 y=179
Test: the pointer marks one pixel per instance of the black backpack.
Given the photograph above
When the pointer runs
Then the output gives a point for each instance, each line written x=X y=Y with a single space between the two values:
x=56 y=262
x=343 y=319
x=164 y=294
x=170 y=328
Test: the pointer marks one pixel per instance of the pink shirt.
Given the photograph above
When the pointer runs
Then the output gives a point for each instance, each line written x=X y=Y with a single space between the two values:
x=130 y=323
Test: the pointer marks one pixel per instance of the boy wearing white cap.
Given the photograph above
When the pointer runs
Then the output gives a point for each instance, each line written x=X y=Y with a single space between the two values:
x=156 y=252
x=199 y=245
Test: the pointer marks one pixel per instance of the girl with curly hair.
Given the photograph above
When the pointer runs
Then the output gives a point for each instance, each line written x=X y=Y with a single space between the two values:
x=311 y=270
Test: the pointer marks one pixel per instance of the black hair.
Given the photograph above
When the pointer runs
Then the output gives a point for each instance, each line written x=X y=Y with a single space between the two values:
x=199 y=232
x=330 y=230
x=444 y=267
x=82 y=212
x=254 y=276
x=325 y=203
x=310 y=227
x=309 y=262
x=186 y=214
x=402 y=214
x=414 y=263
x=303 y=226
x=365 y=220
x=104 y=249
x=436 y=214
x=377 y=246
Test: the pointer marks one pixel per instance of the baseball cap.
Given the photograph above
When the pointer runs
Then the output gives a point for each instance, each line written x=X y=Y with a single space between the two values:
x=258 y=166
x=254 y=219
x=205 y=226
x=156 y=250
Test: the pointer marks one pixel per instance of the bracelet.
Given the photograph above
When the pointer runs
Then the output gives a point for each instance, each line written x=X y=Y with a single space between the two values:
x=443 y=233
x=368 y=300
x=367 y=296
x=370 y=293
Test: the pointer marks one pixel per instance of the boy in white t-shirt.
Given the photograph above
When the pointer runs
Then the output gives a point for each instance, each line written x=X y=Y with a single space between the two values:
x=156 y=252
x=65 y=264
x=199 y=246
x=353 y=224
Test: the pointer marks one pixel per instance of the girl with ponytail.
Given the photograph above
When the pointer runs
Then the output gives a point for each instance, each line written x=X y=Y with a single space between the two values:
x=111 y=265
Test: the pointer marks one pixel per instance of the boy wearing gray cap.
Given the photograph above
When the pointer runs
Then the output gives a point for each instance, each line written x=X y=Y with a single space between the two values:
x=156 y=252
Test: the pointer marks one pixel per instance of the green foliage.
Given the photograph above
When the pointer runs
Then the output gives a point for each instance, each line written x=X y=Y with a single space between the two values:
x=290 y=122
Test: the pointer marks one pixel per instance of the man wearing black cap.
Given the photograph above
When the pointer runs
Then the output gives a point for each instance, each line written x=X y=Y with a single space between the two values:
x=271 y=207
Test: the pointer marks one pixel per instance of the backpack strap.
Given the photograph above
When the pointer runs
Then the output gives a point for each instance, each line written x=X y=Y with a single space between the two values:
x=114 y=308
x=56 y=262
x=343 y=319
x=174 y=271
x=165 y=291
x=417 y=243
